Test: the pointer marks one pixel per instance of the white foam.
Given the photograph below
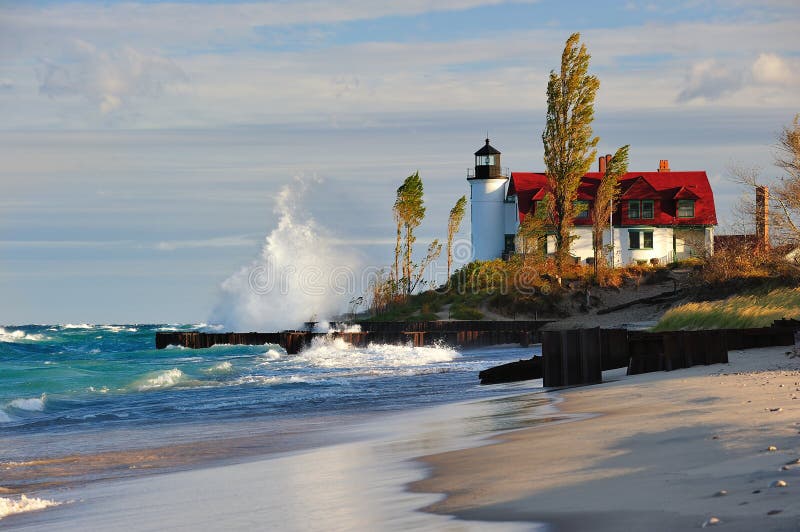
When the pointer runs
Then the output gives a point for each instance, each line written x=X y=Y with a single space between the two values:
x=327 y=352
x=271 y=355
x=34 y=404
x=163 y=379
x=270 y=380
x=9 y=506
x=222 y=367
x=77 y=326
x=19 y=335
x=4 y=417
x=118 y=328
x=326 y=327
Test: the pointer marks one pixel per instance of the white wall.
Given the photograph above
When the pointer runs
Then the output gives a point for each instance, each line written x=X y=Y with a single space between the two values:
x=487 y=210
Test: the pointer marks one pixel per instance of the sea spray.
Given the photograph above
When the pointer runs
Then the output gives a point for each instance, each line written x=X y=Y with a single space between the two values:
x=298 y=276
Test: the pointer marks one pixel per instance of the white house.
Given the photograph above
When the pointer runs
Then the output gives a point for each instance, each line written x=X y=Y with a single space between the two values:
x=660 y=216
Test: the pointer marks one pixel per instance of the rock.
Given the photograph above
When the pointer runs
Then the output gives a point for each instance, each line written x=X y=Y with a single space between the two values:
x=756 y=491
x=785 y=468
x=772 y=448
x=773 y=512
x=778 y=484
x=711 y=521
x=776 y=409
x=721 y=493
x=793 y=462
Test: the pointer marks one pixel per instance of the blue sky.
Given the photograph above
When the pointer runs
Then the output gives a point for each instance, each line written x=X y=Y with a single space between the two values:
x=143 y=144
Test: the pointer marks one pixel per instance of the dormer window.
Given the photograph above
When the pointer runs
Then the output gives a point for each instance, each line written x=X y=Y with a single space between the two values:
x=640 y=209
x=685 y=208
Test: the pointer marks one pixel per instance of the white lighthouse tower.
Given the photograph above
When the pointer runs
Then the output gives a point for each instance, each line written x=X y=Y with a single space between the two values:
x=487 y=196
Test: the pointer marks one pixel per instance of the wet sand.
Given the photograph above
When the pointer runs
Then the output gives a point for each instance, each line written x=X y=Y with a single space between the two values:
x=355 y=485
x=665 y=451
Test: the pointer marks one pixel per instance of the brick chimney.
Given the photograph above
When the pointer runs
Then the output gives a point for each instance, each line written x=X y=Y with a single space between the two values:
x=663 y=165
x=603 y=163
x=762 y=218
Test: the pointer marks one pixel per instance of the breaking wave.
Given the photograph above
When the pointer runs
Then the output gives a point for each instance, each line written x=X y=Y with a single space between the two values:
x=327 y=352
x=19 y=336
x=9 y=506
x=160 y=380
x=34 y=404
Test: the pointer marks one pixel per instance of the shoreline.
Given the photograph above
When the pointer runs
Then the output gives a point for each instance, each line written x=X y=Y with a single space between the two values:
x=357 y=483
x=658 y=453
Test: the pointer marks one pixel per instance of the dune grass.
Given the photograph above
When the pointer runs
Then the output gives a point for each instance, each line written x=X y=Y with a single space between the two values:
x=736 y=312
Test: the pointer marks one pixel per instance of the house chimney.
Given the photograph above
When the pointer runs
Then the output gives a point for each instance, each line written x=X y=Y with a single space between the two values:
x=762 y=218
x=603 y=163
x=663 y=165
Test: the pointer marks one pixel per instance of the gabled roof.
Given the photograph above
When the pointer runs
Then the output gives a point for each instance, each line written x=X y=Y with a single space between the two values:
x=685 y=193
x=666 y=187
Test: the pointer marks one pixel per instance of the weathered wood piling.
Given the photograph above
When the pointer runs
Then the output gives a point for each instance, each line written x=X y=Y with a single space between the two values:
x=455 y=333
x=579 y=356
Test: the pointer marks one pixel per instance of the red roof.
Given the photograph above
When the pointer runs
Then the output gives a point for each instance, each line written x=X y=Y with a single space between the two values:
x=665 y=188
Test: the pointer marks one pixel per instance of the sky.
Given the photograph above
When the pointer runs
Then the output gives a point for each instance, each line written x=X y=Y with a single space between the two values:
x=144 y=144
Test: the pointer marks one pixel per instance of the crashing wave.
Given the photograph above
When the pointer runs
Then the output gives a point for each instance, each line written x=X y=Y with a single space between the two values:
x=163 y=379
x=33 y=404
x=327 y=352
x=9 y=506
x=19 y=335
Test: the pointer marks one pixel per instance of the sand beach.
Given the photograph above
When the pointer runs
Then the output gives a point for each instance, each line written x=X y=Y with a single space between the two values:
x=710 y=445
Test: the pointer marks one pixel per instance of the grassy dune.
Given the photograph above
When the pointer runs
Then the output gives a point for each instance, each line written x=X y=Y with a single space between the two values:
x=736 y=312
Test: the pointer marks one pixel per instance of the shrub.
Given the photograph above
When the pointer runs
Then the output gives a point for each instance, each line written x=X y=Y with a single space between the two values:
x=463 y=312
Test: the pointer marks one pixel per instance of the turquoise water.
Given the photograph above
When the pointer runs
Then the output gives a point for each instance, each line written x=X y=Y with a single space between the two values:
x=56 y=378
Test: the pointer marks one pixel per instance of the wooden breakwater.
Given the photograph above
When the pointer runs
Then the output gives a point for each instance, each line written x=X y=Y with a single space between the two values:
x=579 y=356
x=456 y=333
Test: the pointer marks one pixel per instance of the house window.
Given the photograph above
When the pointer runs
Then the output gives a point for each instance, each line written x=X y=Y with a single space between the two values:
x=640 y=239
x=581 y=209
x=633 y=209
x=685 y=208
x=647 y=208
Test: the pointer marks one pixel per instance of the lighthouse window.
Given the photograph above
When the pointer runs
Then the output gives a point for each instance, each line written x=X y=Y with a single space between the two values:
x=485 y=160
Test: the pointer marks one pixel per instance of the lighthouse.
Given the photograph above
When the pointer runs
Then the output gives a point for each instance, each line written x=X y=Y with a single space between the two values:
x=487 y=186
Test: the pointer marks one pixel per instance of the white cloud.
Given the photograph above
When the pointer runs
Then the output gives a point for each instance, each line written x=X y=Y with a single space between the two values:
x=771 y=69
x=710 y=80
x=108 y=79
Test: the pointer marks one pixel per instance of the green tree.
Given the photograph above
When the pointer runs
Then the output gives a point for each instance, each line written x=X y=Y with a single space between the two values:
x=568 y=141
x=453 y=225
x=409 y=211
x=533 y=228
x=607 y=192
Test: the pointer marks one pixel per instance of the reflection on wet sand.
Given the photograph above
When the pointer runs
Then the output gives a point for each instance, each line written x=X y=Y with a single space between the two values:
x=356 y=485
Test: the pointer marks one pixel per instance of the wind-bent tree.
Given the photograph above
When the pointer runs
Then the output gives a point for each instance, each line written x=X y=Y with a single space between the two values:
x=568 y=141
x=434 y=250
x=453 y=225
x=409 y=211
x=607 y=192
